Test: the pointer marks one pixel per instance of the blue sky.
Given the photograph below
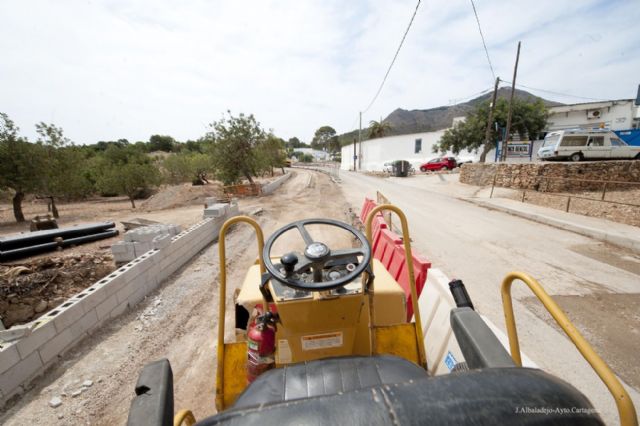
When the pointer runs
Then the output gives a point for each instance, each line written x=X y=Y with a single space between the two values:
x=106 y=70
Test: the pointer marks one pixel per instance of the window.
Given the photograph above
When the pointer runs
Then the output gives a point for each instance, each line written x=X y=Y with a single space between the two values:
x=435 y=160
x=574 y=141
x=418 y=147
x=550 y=140
x=596 y=141
x=617 y=142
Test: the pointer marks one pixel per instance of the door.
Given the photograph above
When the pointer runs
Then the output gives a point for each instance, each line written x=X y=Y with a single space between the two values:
x=597 y=148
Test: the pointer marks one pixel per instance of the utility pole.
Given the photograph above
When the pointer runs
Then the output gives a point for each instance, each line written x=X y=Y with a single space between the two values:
x=505 y=143
x=492 y=107
x=360 y=143
x=355 y=156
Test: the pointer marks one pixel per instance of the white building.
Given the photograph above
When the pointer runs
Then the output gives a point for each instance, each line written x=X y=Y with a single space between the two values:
x=417 y=148
x=317 y=154
x=622 y=114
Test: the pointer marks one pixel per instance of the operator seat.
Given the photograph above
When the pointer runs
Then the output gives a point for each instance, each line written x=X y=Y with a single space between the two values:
x=327 y=377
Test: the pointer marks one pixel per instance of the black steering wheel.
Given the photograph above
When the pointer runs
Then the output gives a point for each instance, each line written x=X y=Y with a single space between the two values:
x=315 y=257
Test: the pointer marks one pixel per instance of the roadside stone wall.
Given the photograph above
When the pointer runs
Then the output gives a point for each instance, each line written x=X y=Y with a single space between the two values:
x=553 y=177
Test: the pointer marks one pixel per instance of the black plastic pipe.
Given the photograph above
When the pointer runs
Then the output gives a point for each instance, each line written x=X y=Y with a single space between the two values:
x=48 y=236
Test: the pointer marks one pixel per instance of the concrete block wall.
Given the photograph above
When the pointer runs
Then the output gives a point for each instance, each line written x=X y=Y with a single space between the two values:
x=58 y=331
x=272 y=186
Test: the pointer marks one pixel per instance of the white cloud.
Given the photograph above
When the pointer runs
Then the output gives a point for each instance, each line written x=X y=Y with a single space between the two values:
x=108 y=70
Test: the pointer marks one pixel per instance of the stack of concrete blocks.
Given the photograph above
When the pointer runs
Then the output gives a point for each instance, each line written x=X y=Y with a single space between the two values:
x=214 y=209
x=138 y=241
x=46 y=339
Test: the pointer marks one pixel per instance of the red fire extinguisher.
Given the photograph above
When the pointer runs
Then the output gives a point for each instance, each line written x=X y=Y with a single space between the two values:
x=261 y=346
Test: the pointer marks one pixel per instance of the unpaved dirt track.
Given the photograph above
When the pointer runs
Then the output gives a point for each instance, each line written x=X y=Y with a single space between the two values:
x=481 y=246
x=178 y=321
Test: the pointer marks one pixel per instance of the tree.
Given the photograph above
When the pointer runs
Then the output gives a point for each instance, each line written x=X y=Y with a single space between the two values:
x=56 y=165
x=322 y=137
x=18 y=170
x=528 y=120
x=378 y=129
x=125 y=171
x=233 y=143
x=270 y=153
x=161 y=143
x=187 y=167
x=294 y=142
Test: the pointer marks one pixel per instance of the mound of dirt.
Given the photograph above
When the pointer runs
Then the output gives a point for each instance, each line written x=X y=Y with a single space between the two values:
x=172 y=196
x=30 y=289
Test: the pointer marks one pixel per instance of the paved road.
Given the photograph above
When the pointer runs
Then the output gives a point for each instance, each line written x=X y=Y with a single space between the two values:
x=480 y=246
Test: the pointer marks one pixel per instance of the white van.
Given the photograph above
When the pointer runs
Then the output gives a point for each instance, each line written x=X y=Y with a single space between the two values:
x=578 y=145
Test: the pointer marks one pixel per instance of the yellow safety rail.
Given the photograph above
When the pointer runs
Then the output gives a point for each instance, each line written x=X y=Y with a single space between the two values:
x=626 y=409
x=223 y=296
x=184 y=416
x=409 y=260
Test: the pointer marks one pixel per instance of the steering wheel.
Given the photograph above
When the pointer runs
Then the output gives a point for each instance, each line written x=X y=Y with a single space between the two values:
x=316 y=256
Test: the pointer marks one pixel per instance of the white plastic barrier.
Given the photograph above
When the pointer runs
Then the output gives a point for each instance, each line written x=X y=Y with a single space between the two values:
x=441 y=346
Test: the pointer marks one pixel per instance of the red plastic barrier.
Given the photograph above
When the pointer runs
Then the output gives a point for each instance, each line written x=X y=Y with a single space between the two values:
x=368 y=205
x=388 y=248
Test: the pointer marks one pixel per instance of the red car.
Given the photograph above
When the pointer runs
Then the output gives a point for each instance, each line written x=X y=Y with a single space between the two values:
x=446 y=163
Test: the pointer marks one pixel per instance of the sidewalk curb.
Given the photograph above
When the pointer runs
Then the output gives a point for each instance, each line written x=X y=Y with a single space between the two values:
x=632 y=244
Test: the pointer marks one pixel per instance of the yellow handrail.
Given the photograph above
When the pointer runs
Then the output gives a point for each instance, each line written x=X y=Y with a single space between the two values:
x=409 y=260
x=223 y=296
x=626 y=410
x=185 y=416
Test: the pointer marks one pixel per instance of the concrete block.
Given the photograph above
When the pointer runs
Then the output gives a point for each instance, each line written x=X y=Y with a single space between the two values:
x=122 y=247
x=146 y=236
x=93 y=296
x=68 y=313
x=54 y=347
x=209 y=201
x=215 y=210
x=138 y=295
x=161 y=241
x=20 y=373
x=43 y=331
x=123 y=257
x=130 y=235
x=84 y=324
x=104 y=309
x=123 y=294
x=9 y=356
x=141 y=247
x=16 y=332
x=119 y=309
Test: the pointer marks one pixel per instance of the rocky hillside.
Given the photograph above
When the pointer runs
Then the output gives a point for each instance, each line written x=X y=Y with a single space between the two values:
x=403 y=121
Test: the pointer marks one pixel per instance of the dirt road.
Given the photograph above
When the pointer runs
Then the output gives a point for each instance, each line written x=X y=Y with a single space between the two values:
x=481 y=246
x=178 y=322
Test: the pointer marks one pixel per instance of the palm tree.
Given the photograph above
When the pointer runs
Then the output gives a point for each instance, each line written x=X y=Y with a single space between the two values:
x=378 y=129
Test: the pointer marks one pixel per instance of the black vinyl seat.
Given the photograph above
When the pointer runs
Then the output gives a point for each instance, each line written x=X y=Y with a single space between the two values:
x=327 y=377
x=493 y=396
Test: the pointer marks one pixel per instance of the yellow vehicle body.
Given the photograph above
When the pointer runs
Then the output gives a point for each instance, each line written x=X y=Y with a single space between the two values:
x=368 y=318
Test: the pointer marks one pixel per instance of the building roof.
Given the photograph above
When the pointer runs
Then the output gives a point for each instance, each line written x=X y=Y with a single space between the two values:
x=583 y=106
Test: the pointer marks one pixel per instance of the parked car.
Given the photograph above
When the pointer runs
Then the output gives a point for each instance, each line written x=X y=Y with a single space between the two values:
x=578 y=145
x=440 y=163
x=387 y=167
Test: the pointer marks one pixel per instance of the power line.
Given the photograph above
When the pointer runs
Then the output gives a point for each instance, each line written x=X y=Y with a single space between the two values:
x=394 y=59
x=486 y=51
x=457 y=100
x=554 y=93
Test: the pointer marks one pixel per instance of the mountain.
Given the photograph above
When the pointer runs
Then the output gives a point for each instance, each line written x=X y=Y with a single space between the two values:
x=404 y=122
